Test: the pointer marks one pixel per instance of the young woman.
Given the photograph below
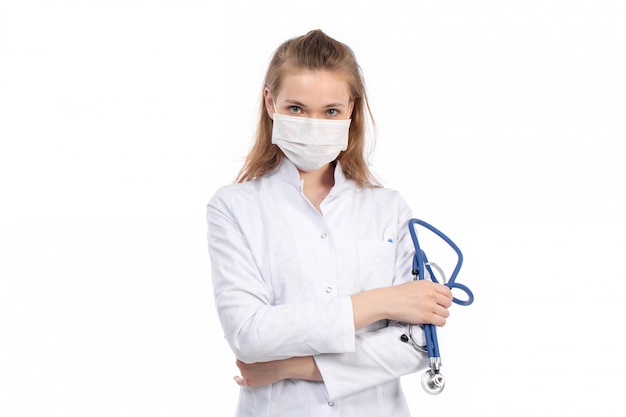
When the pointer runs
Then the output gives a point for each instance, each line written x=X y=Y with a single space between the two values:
x=311 y=258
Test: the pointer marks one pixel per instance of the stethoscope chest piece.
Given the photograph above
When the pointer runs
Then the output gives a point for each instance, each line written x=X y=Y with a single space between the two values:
x=433 y=382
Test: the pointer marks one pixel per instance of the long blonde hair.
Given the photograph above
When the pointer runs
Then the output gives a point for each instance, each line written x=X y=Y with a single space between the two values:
x=314 y=51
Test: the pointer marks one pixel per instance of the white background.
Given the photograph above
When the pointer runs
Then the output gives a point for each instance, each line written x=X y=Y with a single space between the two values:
x=501 y=122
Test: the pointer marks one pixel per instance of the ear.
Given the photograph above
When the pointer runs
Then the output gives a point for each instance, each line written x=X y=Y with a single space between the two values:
x=350 y=108
x=269 y=102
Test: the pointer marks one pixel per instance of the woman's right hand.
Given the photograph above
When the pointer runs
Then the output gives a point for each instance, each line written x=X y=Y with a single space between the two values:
x=416 y=302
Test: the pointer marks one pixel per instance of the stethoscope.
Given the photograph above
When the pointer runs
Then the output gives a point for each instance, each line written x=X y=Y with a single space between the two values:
x=432 y=380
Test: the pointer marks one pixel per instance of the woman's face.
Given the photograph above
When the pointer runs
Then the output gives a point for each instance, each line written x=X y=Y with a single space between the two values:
x=313 y=94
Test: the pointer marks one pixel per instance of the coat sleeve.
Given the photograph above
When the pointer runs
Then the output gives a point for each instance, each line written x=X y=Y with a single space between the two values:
x=379 y=357
x=256 y=330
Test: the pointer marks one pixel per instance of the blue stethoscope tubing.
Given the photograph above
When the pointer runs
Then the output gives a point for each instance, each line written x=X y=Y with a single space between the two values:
x=433 y=381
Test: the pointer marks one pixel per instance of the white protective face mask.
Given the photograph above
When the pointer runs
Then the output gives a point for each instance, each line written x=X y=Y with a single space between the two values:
x=310 y=143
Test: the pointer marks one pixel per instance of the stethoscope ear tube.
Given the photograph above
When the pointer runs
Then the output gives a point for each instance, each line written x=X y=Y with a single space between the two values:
x=467 y=291
x=420 y=261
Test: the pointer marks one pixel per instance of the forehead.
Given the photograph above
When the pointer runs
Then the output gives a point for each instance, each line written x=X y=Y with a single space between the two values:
x=315 y=86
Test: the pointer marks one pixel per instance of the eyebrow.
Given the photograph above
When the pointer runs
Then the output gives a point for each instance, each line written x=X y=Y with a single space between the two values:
x=299 y=104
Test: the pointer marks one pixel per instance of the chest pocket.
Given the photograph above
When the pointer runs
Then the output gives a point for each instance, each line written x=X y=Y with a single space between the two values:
x=376 y=263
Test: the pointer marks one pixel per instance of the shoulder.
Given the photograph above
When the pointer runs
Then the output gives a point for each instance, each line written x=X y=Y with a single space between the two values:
x=381 y=193
x=227 y=194
x=383 y=199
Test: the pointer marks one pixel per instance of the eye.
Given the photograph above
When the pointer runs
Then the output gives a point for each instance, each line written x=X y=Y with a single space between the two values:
x=295 y=109
x=332 y=112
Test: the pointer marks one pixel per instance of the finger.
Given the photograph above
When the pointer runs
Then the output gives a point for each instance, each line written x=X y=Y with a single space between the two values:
x=444 y=290
x=441 y=311
x=443 y=300
x=435 y=319
x=240 y=381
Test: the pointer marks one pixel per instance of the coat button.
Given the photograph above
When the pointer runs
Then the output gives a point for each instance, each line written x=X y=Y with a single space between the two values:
x=323 y=235
x=329 y=290
x=330 y=403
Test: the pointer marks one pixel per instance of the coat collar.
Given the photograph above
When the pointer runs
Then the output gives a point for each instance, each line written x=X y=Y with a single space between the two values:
x=288 y=173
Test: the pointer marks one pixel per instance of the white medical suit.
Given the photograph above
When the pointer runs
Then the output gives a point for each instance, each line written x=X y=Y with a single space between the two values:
x=282 y=278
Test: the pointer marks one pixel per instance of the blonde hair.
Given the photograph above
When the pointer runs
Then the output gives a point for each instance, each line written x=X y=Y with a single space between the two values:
x=313 y=51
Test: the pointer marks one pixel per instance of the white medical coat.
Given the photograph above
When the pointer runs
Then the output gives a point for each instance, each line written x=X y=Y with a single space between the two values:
x=282 y=278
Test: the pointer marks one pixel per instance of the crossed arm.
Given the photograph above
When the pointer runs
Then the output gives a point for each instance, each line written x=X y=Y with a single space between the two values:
x=423 y=302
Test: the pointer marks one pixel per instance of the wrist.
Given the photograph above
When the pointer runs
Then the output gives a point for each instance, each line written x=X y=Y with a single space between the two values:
x=302 y=367
x=370 y=306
